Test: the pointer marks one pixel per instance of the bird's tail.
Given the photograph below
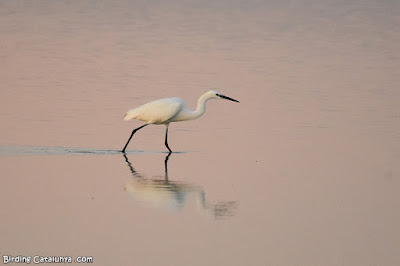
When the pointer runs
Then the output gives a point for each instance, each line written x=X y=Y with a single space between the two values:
x=131 y=114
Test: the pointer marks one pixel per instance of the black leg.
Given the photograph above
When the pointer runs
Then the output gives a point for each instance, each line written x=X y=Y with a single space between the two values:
x=166 y=138
x=133 y=132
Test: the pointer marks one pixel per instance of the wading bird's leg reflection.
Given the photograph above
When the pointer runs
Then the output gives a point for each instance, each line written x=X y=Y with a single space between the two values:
x=133 y=171
x=137 y=175
x=166 y=165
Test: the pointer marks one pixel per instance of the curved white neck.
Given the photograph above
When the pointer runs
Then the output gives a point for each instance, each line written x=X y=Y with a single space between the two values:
x=201 y=107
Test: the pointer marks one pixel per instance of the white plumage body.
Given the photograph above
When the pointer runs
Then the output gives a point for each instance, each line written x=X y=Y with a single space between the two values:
x=157 y=112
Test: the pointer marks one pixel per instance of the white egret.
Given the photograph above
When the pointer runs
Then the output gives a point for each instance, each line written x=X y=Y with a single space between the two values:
x=165 y=111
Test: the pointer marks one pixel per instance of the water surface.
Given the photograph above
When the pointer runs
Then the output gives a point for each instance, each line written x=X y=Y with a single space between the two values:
x=304 y=171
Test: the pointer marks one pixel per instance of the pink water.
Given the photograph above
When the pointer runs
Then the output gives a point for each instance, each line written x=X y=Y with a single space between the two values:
x=304 y=171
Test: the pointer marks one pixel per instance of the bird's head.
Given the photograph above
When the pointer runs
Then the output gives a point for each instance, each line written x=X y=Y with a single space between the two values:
x=216 y=95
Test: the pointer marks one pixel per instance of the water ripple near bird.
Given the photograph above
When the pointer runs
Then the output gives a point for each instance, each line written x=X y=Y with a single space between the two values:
x=13 y=150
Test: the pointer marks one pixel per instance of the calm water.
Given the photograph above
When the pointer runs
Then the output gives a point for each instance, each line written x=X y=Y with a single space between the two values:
x=304 y=171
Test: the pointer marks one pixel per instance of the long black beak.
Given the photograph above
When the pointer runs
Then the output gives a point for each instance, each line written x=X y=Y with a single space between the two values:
x=228 y=98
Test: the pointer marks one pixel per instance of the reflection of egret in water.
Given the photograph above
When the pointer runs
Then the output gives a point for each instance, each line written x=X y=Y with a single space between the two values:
x=168 y=194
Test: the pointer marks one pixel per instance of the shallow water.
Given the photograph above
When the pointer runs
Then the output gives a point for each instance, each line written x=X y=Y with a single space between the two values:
x=305 y=170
